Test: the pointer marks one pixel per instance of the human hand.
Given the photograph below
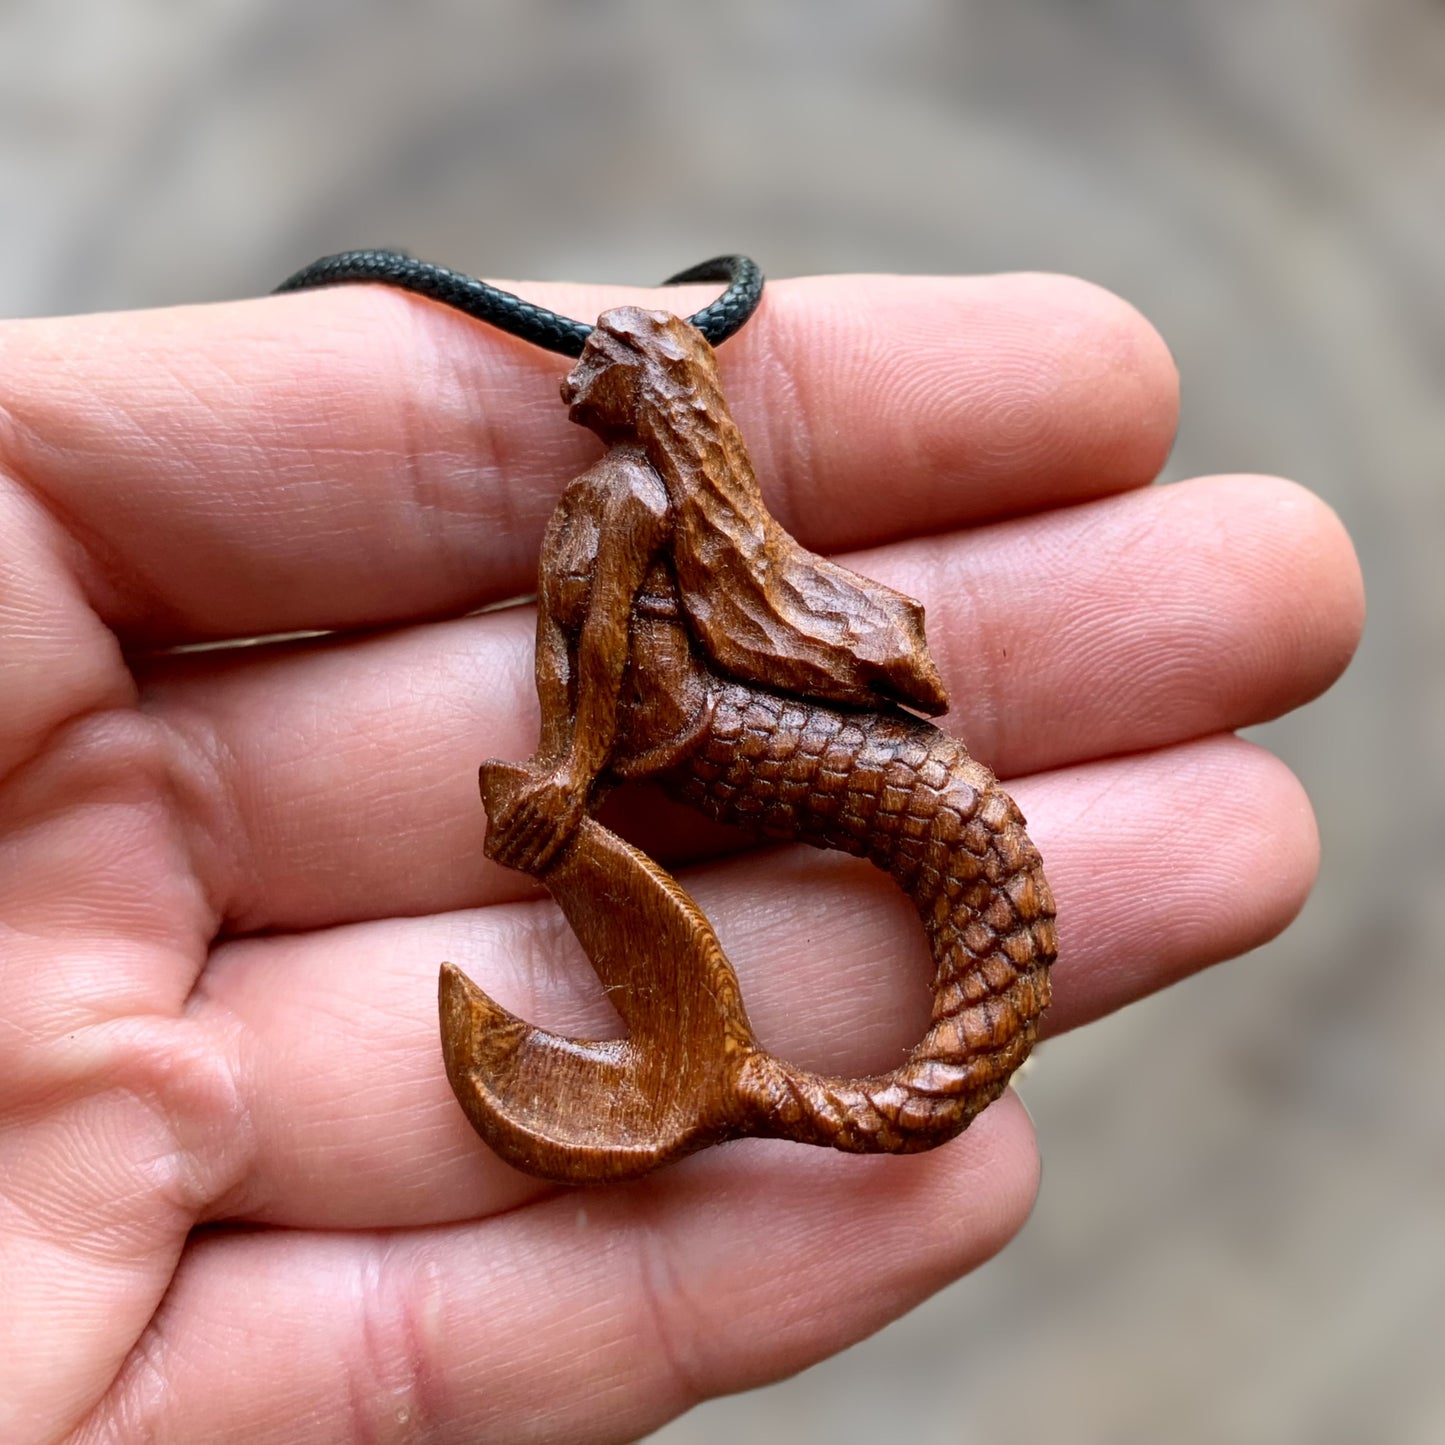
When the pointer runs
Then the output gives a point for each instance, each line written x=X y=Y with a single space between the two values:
x=228 y=878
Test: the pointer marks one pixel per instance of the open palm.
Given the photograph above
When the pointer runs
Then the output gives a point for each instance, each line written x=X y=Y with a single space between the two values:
x=237 y=1199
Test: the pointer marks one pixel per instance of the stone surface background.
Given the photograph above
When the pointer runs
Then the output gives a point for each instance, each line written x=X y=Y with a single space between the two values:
x=1238 y=1239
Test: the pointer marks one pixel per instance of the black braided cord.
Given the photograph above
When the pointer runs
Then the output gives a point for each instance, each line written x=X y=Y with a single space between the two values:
x=521 y=318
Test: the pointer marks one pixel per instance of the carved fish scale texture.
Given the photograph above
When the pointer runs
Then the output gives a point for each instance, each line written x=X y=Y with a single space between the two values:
x=897 y=791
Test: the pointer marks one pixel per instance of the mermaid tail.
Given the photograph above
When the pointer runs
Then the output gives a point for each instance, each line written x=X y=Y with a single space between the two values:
x=893 y=789
x=535 y=1096
x=883 y=786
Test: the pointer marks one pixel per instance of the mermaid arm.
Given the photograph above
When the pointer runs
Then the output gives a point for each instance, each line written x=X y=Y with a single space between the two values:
x=624 y=506
x=632 y=523
x=554 y=661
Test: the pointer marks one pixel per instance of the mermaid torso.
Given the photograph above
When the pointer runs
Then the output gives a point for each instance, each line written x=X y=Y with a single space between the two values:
x=665 y=700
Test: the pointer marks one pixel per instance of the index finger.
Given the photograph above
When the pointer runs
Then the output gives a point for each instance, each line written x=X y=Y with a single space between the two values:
x=359 y=456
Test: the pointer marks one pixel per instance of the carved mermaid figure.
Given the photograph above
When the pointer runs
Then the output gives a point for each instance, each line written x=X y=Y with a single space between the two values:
x=684 y=636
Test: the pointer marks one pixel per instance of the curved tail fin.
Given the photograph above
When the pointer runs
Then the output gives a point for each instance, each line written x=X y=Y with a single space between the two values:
x=585 y=1111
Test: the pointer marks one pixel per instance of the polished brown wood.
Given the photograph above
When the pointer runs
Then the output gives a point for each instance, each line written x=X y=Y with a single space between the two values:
x=684 y=636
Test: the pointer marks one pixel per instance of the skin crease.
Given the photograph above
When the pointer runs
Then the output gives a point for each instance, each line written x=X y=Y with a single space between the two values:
x=226 y=880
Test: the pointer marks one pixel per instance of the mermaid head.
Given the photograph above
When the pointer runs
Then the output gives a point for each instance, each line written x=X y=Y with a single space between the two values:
x=761 y=606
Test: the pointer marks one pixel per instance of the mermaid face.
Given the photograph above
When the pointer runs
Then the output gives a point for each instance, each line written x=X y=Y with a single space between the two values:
x=601 y=393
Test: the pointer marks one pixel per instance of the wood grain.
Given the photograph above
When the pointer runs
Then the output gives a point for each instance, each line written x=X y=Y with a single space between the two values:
x=683 y=635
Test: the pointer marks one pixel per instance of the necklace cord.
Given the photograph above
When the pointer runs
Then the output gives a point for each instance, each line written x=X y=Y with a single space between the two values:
x=521 y=318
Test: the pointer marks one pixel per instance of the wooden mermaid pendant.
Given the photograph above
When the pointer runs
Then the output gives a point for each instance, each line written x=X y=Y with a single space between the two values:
x=684 y=636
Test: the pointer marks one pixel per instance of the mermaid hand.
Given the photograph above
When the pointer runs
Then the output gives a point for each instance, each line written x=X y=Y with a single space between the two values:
x=529 y=823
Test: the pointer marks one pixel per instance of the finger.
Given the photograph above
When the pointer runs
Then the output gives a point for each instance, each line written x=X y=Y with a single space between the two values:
x=1160 y=865
x=104 y=1164
x=519 y=846
x=99 y=915
x=594 y=1316
x=535 y=845
x=57 y=661
x=354 y=456
x=1131 y=623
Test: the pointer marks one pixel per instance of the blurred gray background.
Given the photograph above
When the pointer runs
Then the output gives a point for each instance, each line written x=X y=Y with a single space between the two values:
x=1241 y=1235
